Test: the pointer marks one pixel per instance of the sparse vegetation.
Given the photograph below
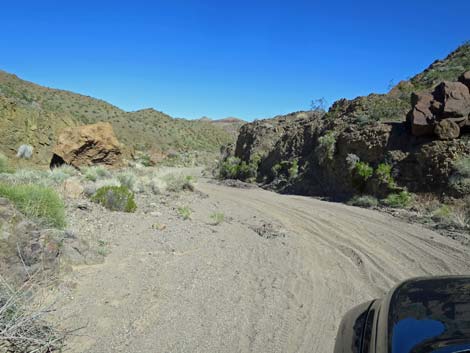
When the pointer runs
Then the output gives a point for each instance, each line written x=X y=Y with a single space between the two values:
x=217 y=218
x=115 y=198
x=128 y=179
x=179 y=182
x=383 y=172
x=95 y=173
x=35 y=201
x=23 y=327
x=185 y=212
x=234 y=168
x=366 y=201
x=326 y=147
x=364 y=170
x=402 y=199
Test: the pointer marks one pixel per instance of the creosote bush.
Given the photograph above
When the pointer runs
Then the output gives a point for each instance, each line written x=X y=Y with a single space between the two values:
x=384 y=174
x=115 y=198
x=35 y=201
x=234 y=168
x=326 y=147
x=364 y=170
x=399 y=200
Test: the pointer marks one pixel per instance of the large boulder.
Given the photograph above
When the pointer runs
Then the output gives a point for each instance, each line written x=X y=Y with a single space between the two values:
x=88 y=145
x=455 y=99
x=448 y=101
x=421 y=117
x=465 y=79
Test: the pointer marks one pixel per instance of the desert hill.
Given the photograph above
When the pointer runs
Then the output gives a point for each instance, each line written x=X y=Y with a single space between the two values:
x=33 y=114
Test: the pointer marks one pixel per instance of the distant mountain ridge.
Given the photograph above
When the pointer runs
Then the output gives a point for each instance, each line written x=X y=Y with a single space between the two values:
x=34 y=114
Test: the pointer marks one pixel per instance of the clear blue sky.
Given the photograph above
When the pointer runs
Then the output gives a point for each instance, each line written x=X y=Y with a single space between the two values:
x=244 y=58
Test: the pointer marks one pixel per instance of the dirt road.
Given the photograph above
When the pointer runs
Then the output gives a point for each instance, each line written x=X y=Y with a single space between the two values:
x=276 y=276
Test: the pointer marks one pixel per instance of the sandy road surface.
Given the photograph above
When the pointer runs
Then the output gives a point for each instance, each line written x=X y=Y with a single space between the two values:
x=195 y=287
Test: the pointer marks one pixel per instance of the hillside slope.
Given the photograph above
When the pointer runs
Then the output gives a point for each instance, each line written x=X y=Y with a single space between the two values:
x=33 y=114
x=318 y=154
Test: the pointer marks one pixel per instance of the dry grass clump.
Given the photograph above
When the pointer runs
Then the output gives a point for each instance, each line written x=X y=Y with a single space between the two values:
x=23 y=328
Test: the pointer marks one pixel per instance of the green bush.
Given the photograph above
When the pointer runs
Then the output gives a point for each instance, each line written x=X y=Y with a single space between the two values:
x=185 y=212
x=234 y=168
x=115 y=198
x=228 y=168
x=364 y=170
x=400 y=200
x=365 y=201
x=384 y=174
x=294 y=170
x=326 y=147
x=39 y=202
x=286 y=170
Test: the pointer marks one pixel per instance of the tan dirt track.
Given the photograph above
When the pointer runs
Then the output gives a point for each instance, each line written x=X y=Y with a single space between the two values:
x=195 y=287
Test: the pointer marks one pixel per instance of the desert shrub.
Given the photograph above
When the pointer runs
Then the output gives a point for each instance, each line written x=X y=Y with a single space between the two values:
x=60 y=174
x=95 y=173
x=294 y=170
x=217 y=218
x=4 y=164
x=286 y=170
x=234 y=168
x=352 y=160
x=365 y=201
x=144 y=159
x=384 y=174
x=23 y=324
x=326 y=147
x=25 y=151
x=157 y=185
x=115 y=198
x=460 y=178
x=184 y=212
x=39 y=202
x=179 y=182
x=128 y=179
x=228 y=168
x=364 y=170
x=402 y=199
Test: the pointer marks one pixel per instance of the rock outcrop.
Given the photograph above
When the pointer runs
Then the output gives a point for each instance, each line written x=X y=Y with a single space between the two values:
x=443 y=111
x=88 y=145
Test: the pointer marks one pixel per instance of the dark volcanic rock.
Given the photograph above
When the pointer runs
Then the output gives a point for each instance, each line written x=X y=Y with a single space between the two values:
x=455 y=99
x=421 y=117
x=447 y=130
x=465 y=79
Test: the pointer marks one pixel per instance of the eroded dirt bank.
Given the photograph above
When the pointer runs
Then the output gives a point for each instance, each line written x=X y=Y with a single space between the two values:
x=275 y=276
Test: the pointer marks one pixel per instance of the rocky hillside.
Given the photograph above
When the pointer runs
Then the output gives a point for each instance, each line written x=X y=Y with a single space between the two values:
x=32 y=114
x=366 y=145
